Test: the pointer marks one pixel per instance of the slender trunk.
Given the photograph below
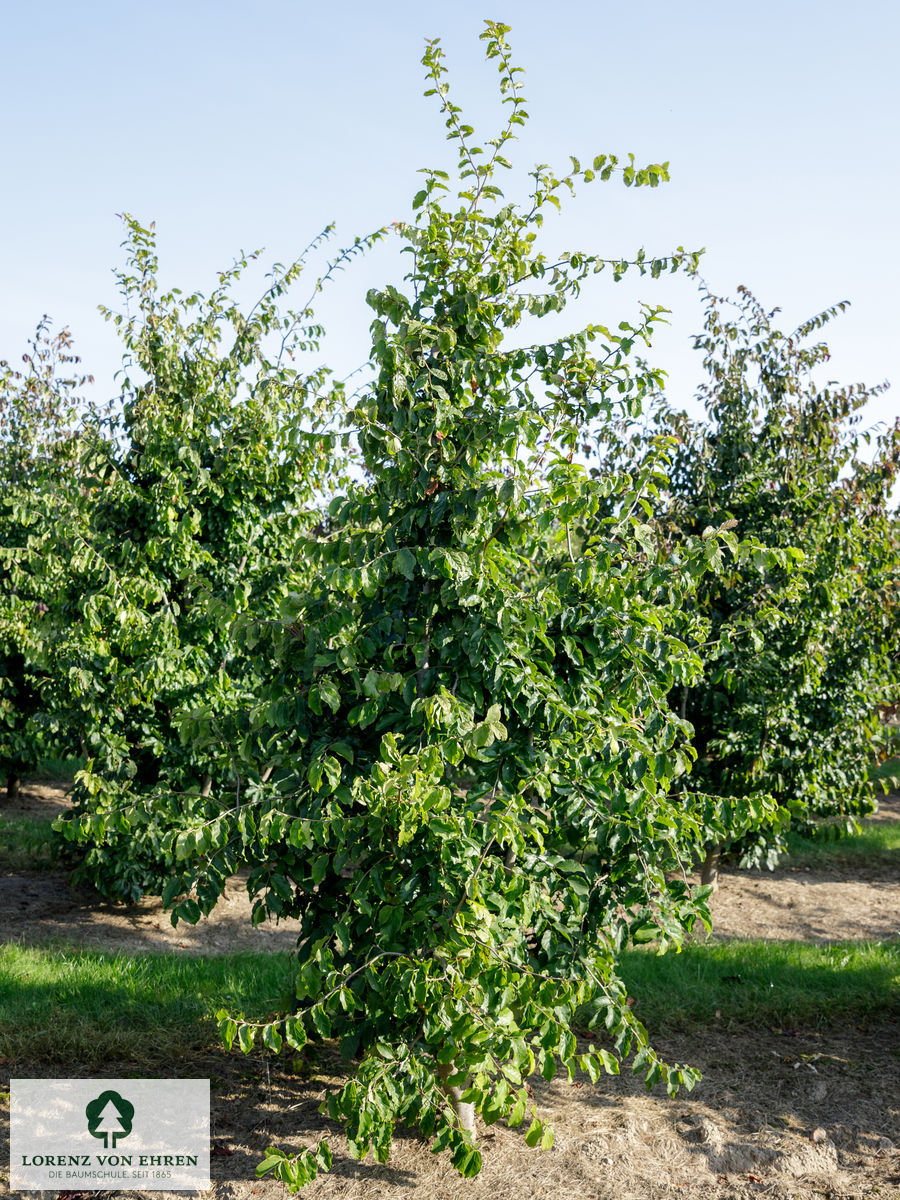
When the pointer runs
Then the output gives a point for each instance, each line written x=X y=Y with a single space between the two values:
x=465 y=1112
x=423 y=669
x=509 y=858
x=710 y=872
x=12 y=786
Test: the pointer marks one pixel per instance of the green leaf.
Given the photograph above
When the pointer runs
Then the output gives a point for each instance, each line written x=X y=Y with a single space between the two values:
x=273 y=1159
x=227 y=1029
x=405 y=563
x=272 y=1038
x=294 y=1033
x=321 y=1021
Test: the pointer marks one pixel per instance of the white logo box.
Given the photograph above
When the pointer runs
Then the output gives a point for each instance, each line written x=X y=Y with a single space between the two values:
x=148 y=1135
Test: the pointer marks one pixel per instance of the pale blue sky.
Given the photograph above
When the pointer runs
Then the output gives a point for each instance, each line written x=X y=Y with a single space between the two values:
x=240 y=126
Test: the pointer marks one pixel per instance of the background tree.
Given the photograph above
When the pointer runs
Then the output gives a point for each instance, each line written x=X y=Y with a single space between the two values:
x=799 y=658
x=196 y=488
x=41 y=412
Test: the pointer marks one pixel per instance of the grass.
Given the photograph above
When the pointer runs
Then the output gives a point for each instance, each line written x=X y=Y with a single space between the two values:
x=26 y=843
x=62 y=770
x=89 y=1007
x=780 y=985
x=888 y=770
x=876 y=846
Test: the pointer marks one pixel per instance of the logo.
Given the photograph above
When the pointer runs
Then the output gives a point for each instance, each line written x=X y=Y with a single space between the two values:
x=109 y=1116
x=75 y=1136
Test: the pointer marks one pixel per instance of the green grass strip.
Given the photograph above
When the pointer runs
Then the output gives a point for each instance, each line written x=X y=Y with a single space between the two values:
x=60 y=769
x=875 y=847
x=85 y=1007
x=26 y=843
x=888 y=770
x=773 y=984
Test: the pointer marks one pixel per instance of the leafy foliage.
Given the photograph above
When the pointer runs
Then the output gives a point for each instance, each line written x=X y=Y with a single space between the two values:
x=802 y=654
x=429 y=667
x=197 y=486
x=41 y=410
x=456 y=763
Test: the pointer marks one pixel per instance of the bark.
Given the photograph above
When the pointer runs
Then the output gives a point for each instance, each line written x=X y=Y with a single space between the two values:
x=423 y=670
x=509 y=858
x=710 y=872
x=12 y=786
x=464 y=1112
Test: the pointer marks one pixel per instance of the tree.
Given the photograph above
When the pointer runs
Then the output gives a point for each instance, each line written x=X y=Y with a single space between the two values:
x=802 y=654
x=41 y=411
x=456 y=769
x=192 y=493
x=109 y=1116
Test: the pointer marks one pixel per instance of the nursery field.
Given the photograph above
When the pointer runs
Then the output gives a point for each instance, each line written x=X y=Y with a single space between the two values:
x=791 y=1011
x=446 y=687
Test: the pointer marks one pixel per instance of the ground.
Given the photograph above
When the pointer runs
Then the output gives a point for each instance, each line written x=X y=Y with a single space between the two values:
x=784 y=1114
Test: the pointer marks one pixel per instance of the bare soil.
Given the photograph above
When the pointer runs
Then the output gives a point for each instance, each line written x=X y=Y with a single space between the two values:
x=783 y=1115
x=844 y=903
x=41 y=905
x=812 y=1115
x=791 y=904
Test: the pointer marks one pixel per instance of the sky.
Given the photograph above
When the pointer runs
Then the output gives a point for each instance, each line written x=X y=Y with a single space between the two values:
x=237 y=127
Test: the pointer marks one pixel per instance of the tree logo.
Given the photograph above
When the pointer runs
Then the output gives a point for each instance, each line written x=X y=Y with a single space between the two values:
x=110 y=1115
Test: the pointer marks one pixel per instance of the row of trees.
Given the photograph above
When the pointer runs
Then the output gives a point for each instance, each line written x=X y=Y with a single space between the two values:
x=469 y=668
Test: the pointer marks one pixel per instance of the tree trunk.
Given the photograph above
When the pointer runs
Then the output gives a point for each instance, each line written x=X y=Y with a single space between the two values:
x=12 y=786
x=710 y=872
x=424 y=668
x=465 y=1112
x=207 y=785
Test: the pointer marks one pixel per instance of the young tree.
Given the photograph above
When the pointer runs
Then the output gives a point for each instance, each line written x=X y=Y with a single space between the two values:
x=799 y=659
x=41 y=410
x=456 y=764
x=197 y=488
